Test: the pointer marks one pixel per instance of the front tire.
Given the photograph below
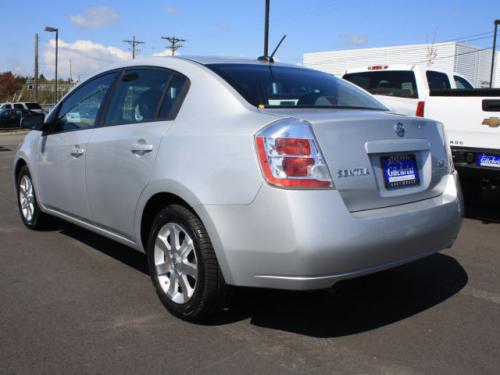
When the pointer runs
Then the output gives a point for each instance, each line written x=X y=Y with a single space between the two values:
x=31 y=214
x=183 y=265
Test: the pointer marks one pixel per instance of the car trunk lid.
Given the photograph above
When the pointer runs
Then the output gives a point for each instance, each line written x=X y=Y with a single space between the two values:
x=367 y=153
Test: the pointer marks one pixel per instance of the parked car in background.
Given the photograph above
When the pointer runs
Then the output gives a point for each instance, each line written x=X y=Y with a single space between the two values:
x=11 y=118
x=240 y=172
x=31 y=106
x=471 y=116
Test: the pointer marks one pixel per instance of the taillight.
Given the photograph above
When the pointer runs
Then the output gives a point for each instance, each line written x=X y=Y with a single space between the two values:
x=290 y=157
x=378 y=67
x=420 y=109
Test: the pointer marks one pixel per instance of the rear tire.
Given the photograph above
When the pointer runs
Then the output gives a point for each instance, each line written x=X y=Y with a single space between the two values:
x=183 y=266
x=31 y=214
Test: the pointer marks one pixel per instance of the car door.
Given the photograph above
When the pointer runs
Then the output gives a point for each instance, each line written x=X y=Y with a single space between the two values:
x=62 y=152
x=6 y=119
x=122 y=152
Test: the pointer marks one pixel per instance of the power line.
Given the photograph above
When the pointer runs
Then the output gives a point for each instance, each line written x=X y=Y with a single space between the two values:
x=133 y=43
x=175 y=43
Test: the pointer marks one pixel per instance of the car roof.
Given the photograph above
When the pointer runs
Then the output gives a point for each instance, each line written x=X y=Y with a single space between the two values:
x=202 y=60
x=207 y=60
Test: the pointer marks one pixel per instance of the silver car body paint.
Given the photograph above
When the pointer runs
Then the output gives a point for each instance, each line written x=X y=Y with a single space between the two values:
x=263 y=236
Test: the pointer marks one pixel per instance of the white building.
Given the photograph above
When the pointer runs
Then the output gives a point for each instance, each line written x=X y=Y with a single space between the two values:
x=470 y=61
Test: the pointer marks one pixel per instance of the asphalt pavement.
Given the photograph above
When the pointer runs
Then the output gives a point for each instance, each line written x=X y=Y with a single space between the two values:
x=72 y=302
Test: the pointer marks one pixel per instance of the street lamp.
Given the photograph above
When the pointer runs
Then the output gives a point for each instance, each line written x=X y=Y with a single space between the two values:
x=496 y=23
x=54 y=30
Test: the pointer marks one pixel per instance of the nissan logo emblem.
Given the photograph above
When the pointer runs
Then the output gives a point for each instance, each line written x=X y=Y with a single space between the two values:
x=399 y=129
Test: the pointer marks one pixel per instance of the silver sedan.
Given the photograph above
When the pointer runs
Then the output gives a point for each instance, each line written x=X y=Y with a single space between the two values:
x=239 y=173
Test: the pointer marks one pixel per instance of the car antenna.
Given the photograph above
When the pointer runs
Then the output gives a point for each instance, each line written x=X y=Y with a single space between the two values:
x=278 y=46
x=270 y=59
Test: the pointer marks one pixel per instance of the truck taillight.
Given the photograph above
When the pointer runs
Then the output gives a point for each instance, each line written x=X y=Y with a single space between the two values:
x=290 y=157
x=420 y=109
x=378 y=67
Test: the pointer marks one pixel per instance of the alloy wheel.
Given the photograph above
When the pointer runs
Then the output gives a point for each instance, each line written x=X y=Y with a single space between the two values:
x=175 y=263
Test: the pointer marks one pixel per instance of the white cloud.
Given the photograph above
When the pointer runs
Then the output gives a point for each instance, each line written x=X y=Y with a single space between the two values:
x=86 y=57
x=352 y=40
x=170 y=9
x=223 y=26
x=166 y=52
x=95 y=17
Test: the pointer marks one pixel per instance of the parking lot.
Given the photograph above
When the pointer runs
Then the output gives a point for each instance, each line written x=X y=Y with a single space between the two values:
x=74 y=302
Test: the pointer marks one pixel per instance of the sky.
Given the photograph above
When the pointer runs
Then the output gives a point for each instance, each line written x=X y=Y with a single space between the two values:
x=91 y=33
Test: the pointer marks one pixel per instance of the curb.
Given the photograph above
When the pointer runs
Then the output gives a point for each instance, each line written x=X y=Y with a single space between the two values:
x=13 y=131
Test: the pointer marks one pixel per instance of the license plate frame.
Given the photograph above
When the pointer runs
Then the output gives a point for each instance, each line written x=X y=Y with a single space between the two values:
x=488 y=160
x=400 y=170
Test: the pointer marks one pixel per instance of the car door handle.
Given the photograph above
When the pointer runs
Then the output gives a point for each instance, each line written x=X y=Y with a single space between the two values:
x=77 y=151
x=141 y=147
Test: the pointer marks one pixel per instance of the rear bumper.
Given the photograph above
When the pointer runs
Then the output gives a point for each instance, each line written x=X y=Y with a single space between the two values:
x=298 y=239
x=465 y=161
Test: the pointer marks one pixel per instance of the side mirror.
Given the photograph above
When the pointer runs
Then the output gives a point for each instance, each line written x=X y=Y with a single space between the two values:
x=33 y=121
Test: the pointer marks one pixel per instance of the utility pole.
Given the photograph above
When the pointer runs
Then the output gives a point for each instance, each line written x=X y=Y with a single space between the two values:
x=35 y=86
x=266 y=30
x=55 y=30
x=174 y=43
x=266 y=57
x=70 y=72
x=134 y=44
x=497 y=22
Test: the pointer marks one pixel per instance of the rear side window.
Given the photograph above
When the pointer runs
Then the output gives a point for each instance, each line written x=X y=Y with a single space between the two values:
x=437 y=80
x=18 y=106
x=462 y=84
x=145 y=95
x=33 y=106
x=389 y=83
x=173 y=96
x=80 y=109
x=7 y=106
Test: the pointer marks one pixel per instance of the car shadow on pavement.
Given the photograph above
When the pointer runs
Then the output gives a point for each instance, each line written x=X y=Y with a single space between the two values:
x=357 y=305
x=354 y=306
x=122 y=253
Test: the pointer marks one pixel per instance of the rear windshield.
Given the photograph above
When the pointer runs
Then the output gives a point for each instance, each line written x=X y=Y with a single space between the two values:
x=279 y=86
x=389 y=83
x=33 y=106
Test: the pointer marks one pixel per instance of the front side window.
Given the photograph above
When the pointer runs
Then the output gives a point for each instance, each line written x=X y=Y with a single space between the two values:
x=137 y=97
x=462 y=84
x=18 y=106
x=437 y=80
x=389 y=83
x=79 y=111
x=280 y=86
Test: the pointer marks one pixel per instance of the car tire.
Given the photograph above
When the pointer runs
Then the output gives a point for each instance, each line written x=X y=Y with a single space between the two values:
x=27 y=202
x=183 y=265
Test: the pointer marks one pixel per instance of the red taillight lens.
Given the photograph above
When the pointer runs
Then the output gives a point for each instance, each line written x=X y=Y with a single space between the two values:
x=293 y=146
x=420 y=109
x=297 y=167
x=287 y=160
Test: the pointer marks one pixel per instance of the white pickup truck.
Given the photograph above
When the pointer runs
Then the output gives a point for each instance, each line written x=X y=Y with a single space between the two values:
x=471 y=116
